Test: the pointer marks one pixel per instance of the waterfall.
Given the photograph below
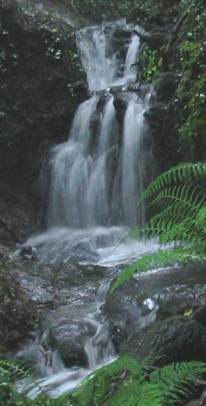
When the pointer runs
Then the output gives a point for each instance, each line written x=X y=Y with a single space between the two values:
x=97 y=176
x=84 y=169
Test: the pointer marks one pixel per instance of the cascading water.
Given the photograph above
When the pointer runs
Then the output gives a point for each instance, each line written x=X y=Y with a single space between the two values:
x=83 y=174
x=97 y=177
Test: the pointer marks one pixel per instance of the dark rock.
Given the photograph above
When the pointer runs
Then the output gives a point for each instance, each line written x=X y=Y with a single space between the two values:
x=154 y=296
x=161 y=117
x=175 y=339
x=155 y=37
x=162 y=122
x=28 y=252
x=200 y=315
x=41 y=86
x=165 y=86
x=18 y=314
x=156 y=115
x=120 y=104
x=68 y=336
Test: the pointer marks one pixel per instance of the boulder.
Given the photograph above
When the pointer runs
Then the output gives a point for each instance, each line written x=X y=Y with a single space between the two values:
x=69 y=337
x=175 y=339
x=155 y=296
x=165 y=86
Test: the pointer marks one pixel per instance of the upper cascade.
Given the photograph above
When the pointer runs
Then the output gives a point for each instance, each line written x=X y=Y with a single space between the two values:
x=108 y=52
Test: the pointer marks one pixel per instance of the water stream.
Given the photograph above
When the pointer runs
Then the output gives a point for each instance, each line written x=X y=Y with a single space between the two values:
x=97 y=177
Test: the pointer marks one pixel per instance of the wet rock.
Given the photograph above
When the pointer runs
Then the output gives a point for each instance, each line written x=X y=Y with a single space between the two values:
x=28 y=252
x=60 y=297
x=120 y=105
x=155 y=296
x=155 y=37
x=156 y=115
x=69 y=337
x=200 y=315
x=175 y=339
x=18 y=314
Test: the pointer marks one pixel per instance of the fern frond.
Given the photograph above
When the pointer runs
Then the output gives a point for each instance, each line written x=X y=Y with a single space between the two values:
x=14 y=368
x=99 y=386
x=183 y=172
x=176 y=381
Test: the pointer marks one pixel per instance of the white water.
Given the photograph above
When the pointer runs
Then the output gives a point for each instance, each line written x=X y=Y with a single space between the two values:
x=97 y=177
x=101 y=60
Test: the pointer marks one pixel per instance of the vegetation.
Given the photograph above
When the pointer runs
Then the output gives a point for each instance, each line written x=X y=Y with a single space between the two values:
x=179 y=196
x=98 y=9
x=123 y=382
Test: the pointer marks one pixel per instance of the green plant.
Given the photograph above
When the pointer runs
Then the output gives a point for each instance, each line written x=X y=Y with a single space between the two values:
x=179 y=197
x=122 y=382
x=131 y=383
x=191 y=94
x=151 y=63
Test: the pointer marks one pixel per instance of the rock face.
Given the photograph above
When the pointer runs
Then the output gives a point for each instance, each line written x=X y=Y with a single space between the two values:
x=162 y=120
x=41 y=84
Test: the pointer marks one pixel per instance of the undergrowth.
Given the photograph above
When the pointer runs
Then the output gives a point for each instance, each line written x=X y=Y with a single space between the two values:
x=122 y=382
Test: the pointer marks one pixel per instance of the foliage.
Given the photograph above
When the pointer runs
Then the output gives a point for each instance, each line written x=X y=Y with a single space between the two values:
x=122 y=382
x=101 y=386
x=127 y=382
x=98 y=9
x=181 y=206
x=191 y=95
x=151 y=64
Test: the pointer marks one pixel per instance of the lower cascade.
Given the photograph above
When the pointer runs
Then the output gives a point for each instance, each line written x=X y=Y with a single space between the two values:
x=97 y=177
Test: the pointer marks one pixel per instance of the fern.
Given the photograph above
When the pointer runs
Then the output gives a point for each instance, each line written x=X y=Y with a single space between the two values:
x=176 y=381
x=171 y=384
x=13 y=370
x=181 y=173
x=181 y=207
x=99 y=386
x=124 y=382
